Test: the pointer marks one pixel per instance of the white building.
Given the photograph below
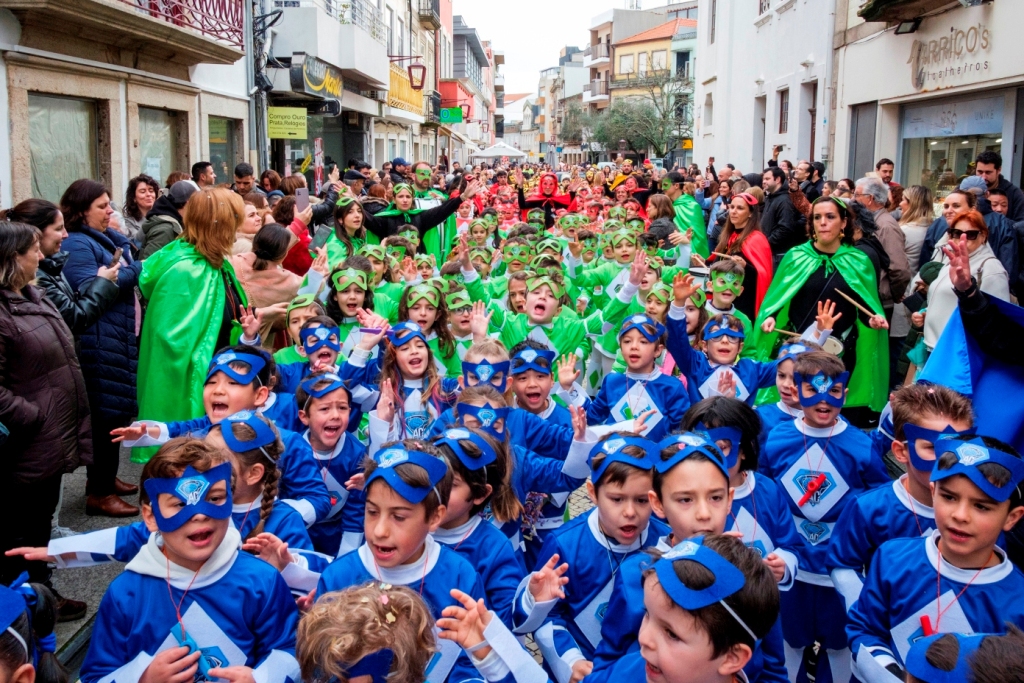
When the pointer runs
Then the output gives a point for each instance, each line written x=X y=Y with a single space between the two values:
x=762 y=79
x=930 y=100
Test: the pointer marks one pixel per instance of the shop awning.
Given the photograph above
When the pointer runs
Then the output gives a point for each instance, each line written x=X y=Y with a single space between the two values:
x=898 y=10
x=499 y=150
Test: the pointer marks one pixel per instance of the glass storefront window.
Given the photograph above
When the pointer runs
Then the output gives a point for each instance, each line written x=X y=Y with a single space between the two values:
x=299 y=153
x=941 y=141
x=158 y=141
x=62 y=140
x=223 y=151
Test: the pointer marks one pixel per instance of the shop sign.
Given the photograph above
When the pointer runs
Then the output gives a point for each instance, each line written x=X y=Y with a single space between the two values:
x=315 y=77
x=400 y=92
x=970 y=117
x=937 y=62
x=451 y=115
x=286 y=123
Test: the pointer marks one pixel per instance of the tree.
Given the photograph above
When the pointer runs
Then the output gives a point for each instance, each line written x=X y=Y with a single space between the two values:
x=657 y=118
x=573 y=122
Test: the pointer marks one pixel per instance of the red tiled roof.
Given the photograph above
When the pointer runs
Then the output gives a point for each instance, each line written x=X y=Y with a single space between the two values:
x=666 y=30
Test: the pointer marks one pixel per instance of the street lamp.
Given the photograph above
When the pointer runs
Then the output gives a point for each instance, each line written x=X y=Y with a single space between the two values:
x=465 y=111
x=417 y=76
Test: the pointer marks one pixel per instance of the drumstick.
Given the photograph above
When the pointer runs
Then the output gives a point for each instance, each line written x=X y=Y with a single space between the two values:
x=791 y=334
x=849 y=298
x=718 y=253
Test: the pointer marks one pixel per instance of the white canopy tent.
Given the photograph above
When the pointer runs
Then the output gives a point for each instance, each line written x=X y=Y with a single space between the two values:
x=498 y=150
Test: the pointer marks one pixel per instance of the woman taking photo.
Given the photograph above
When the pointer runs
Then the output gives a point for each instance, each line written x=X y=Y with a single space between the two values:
x=138 y=200
x=43 y=404
x=109 y=349
x=196 y=306
x=815 y=272
x=742 y=237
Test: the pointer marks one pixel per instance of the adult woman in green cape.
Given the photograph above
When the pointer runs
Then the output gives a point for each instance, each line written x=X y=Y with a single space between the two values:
x=403 y=210
x=195 y=305
x=688 y=214
x=823 y=270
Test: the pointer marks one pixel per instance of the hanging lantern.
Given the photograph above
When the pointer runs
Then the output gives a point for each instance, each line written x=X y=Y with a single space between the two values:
x=465 y=111
x=417 y=76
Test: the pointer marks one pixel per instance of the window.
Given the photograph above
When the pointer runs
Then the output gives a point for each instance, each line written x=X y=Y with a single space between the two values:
x=763 y=6
x=626 y=64
x=391 y=31
x=62 y=138
x=783 y=111
x=709 y=110
x=658 y=60
x=643 y=59
x=158 y=141
x=392 y=152
x=223 y=143
x=714 y=16
x=401 y=38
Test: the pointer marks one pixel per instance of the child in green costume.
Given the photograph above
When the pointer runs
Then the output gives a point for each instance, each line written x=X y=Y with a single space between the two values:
x=350 y=291
x=726 y=280
x=301 y=309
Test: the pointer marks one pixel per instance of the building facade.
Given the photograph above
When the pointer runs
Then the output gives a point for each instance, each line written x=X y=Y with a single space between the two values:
x=931 y=99
x=762 y=79
x=108 y=89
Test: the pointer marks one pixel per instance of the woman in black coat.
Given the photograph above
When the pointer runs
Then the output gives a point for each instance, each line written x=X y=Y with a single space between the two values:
x=110 y=347
x=403 y=211
x=42 y=402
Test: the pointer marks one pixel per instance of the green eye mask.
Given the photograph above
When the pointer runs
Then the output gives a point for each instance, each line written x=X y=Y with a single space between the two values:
x=423 y=173
x=343 y=278
x=727 y=282
x=553 y=245
x=617 y=212
x=620 y=237
x=534 y=283
x=517 y=252
x=661 y=292
x=458 y=300
x=535 y=216
x=423 y=291
x=372 y=251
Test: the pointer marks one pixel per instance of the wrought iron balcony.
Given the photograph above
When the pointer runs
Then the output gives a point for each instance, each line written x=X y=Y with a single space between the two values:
x=429 y=14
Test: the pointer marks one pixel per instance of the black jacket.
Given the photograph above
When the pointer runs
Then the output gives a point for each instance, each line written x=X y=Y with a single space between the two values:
x=781 y=223
x=1015 y=197
x=870 y=245
x=162 y=226
x=385 y=226
x=812 y=189
x=81 y=309
x=323 y=213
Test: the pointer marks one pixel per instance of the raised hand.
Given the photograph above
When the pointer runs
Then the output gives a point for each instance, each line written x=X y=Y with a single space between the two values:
x=727 y=384
x=575 y=248
x=371 y=321
x=465 y=625
x=270 y=549
x=827 y=316
x=676 y=238
x=567 y=371
x=306 y=601
x=467 y=264
x=638 y=268
x=320 y=263
x=683 y=288
x=133 y=432
x=305 y=216
x=356 y=482
x=579 y=423
x=581 y=305
x=548 y=582
x=386 y=402
x=959 y=263
x=32 y=554
x=251 y=319
x=640 y=421
x=480 y=321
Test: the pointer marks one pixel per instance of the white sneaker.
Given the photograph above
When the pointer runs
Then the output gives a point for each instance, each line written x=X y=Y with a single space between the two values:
x=61 y=532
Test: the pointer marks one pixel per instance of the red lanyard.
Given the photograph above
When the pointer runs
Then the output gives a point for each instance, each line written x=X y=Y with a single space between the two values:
x=177 y=605
x=818 y=481
x=926 y=623
x=906 y=487
x=242 y=525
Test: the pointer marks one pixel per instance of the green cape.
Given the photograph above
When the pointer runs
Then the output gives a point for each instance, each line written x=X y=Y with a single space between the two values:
x=338 y=252
x=446 y=233
x=869 y=385
x=183 y=319
x=690 y=215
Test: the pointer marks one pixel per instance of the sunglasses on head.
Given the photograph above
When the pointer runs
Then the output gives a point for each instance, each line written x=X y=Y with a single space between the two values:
x=955 y=233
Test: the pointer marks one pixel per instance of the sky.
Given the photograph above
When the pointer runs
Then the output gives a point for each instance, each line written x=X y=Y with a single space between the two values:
x=529 y=43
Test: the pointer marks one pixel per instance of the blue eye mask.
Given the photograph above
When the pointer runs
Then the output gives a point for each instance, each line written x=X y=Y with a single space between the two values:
x=265 y=434
x=691 y=445
x=376 y=665
x=970 y=454
x=412 y=330
x=313 y=339
x=728 y=579
x=723 y=330
x=12 y=605
x=334 y=383
x=822 y=384
x=731 y=434
x=389 y=458
x=191 y=487
x=222 y=363
x=488 y=417
x=913 y=433
x=637 y=322
x=921 y=670
x=612 y=450
x=533 y=359
x=486 y=372
x=451 y=439
x=792 y=350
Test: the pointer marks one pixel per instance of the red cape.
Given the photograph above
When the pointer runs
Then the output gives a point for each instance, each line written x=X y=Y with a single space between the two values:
x=758 y=253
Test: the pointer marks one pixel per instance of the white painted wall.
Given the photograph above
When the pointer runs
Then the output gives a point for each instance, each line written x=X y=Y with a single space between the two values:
x=758 y=56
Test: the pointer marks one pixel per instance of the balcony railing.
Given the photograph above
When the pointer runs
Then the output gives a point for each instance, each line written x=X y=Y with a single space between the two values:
x=222 y=20
x=595 y=88
x=763 y=6
x=356 y=12
x=432 y=107
x=430 y=14
x=599 y=51
x=641 y=79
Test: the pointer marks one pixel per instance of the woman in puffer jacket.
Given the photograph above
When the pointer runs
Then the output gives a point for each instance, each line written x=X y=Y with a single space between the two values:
x=42 y=402
x=110 y=348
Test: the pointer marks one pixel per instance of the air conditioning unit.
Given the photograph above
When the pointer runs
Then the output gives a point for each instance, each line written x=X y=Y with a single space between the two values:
x=379 y=95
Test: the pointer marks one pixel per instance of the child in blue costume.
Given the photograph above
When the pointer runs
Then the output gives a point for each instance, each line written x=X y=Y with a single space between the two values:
x=405 y=369
x=955 y=657
x=955 y=580
x=28 y=614
x=238 y=380
x=641 y=389
x=594 y=545
x=707 y=602
x=321 y=342
x=921 y=416
x=692 y=491
x=788 y=407
x=326 y=411
x=822 y=464
x=407 y=488
x=481 y=473
x=190 y=601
